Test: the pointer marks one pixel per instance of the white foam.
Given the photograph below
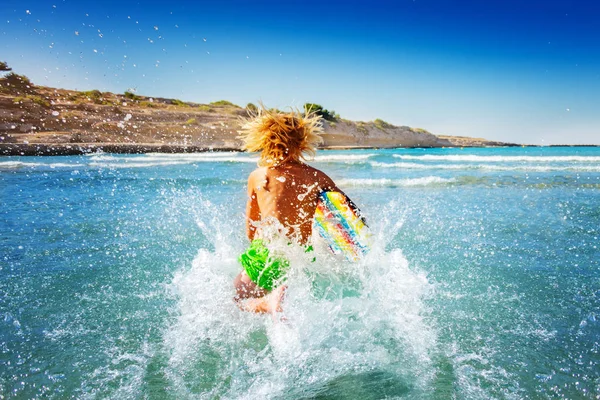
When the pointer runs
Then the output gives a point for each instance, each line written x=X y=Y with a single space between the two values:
x=386 y=182
x=118 y=165
x=490 y=167
x=199 y=157
x=22 y=164
x=16 y=164
x=330 y=333
x=341 y=157
x=491 y=158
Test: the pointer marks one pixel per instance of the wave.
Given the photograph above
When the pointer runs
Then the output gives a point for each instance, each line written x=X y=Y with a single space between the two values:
x=136 y=164
x=209 y=155
x=474 y=158
x=199 y=157
x=341 y=157
x=533 y=168
x=22 y=164
x=386 y=182
x=161 y=159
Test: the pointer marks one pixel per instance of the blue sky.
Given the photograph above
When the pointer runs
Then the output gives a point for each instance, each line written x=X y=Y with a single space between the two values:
x=518 y=71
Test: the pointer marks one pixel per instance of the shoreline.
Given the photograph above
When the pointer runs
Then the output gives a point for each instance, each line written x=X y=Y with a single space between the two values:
x=22 y=149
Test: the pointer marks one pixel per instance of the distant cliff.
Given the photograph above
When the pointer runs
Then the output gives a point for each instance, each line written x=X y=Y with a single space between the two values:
x=57 y=121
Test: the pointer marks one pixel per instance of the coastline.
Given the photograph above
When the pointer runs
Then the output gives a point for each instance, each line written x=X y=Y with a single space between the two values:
x=53 y=149
x=54 y=122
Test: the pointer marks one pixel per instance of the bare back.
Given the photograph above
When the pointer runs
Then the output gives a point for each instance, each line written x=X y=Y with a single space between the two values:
x=289 y=193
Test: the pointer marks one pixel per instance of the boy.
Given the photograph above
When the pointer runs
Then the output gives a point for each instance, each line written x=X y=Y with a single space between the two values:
x=282 y=195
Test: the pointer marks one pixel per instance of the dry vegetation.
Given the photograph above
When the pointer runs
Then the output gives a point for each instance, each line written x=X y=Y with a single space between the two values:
x=35 y=117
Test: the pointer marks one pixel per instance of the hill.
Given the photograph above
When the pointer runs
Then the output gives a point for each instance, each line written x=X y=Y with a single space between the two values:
x=47 y=120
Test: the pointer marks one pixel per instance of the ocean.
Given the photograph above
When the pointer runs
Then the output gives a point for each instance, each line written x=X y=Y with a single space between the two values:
x=483 y=281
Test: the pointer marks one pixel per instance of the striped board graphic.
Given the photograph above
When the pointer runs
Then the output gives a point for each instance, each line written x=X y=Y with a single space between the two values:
x=340 y=223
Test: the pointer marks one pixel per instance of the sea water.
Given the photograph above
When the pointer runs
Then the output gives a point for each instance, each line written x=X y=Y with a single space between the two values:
x=483 y=280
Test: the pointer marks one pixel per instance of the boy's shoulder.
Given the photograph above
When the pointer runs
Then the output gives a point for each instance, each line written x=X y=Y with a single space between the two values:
x=258 y=172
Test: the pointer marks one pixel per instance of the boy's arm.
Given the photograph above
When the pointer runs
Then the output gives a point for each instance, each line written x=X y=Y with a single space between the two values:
x=252 y=210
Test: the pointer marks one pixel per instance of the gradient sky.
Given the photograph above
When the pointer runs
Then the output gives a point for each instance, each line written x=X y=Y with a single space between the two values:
x=518 y=71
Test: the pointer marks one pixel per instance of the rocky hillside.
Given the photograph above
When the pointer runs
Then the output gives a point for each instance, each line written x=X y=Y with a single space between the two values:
x=57 y=121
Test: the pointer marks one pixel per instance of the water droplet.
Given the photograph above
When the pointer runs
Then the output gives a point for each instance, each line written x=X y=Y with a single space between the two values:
x=281 y=179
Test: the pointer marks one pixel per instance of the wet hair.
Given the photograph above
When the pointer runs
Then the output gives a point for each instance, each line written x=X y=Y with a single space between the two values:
x=281 y=137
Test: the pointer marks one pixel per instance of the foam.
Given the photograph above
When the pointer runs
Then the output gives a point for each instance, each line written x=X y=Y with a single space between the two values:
x=490 y=158
x=489 y=167
x=386 y=182
x=367 y=306
x=22 y=164
x=346 y=158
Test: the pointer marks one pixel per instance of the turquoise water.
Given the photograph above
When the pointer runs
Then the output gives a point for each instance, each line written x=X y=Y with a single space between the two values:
x=483 y=281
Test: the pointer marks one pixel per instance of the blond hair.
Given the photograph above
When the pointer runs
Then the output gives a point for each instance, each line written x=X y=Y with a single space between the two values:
x=281 y=137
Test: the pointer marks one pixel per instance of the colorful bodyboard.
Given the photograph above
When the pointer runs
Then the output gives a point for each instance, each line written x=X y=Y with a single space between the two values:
x=342 y=226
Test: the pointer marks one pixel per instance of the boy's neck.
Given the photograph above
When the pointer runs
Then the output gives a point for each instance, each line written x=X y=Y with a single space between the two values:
x=289 y=163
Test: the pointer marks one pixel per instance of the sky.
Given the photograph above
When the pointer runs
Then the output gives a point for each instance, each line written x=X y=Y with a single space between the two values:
x=515 y=71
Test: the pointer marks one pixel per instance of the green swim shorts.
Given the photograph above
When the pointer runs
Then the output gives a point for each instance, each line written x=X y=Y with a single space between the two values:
x=263 y=269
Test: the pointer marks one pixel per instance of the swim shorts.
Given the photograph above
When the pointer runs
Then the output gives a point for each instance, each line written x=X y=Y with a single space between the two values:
x=261 y=267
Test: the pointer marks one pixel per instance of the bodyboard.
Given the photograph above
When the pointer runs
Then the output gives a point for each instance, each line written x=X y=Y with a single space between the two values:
x=341 y=224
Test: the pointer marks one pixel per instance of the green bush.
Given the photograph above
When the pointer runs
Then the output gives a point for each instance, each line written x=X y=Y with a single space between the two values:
x=39 y=100
x=132 y=96
x=4 y=66
x=381 y=124
x=204 y=107
x=93 y=95
x=15 y=83
x=223 y=103
x=190 y=121
x=252 y=108
x=148 y=104
x=362 y=127
x=319 y=110
x=179 y=103
x=32 y=98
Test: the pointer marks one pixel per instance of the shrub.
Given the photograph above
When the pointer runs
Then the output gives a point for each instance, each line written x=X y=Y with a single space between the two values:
x=204 y=107
x=251 y=108
x=362 y=127
x=132 y=96
x=16 y=83
x=179 y=103
x=32 y=98
x=223 y=103
x=190 y=121
x=4 y=66
x=381 y=124
x=319 y=110
x=148 y=104
x=93 y=95
x=39 y=100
